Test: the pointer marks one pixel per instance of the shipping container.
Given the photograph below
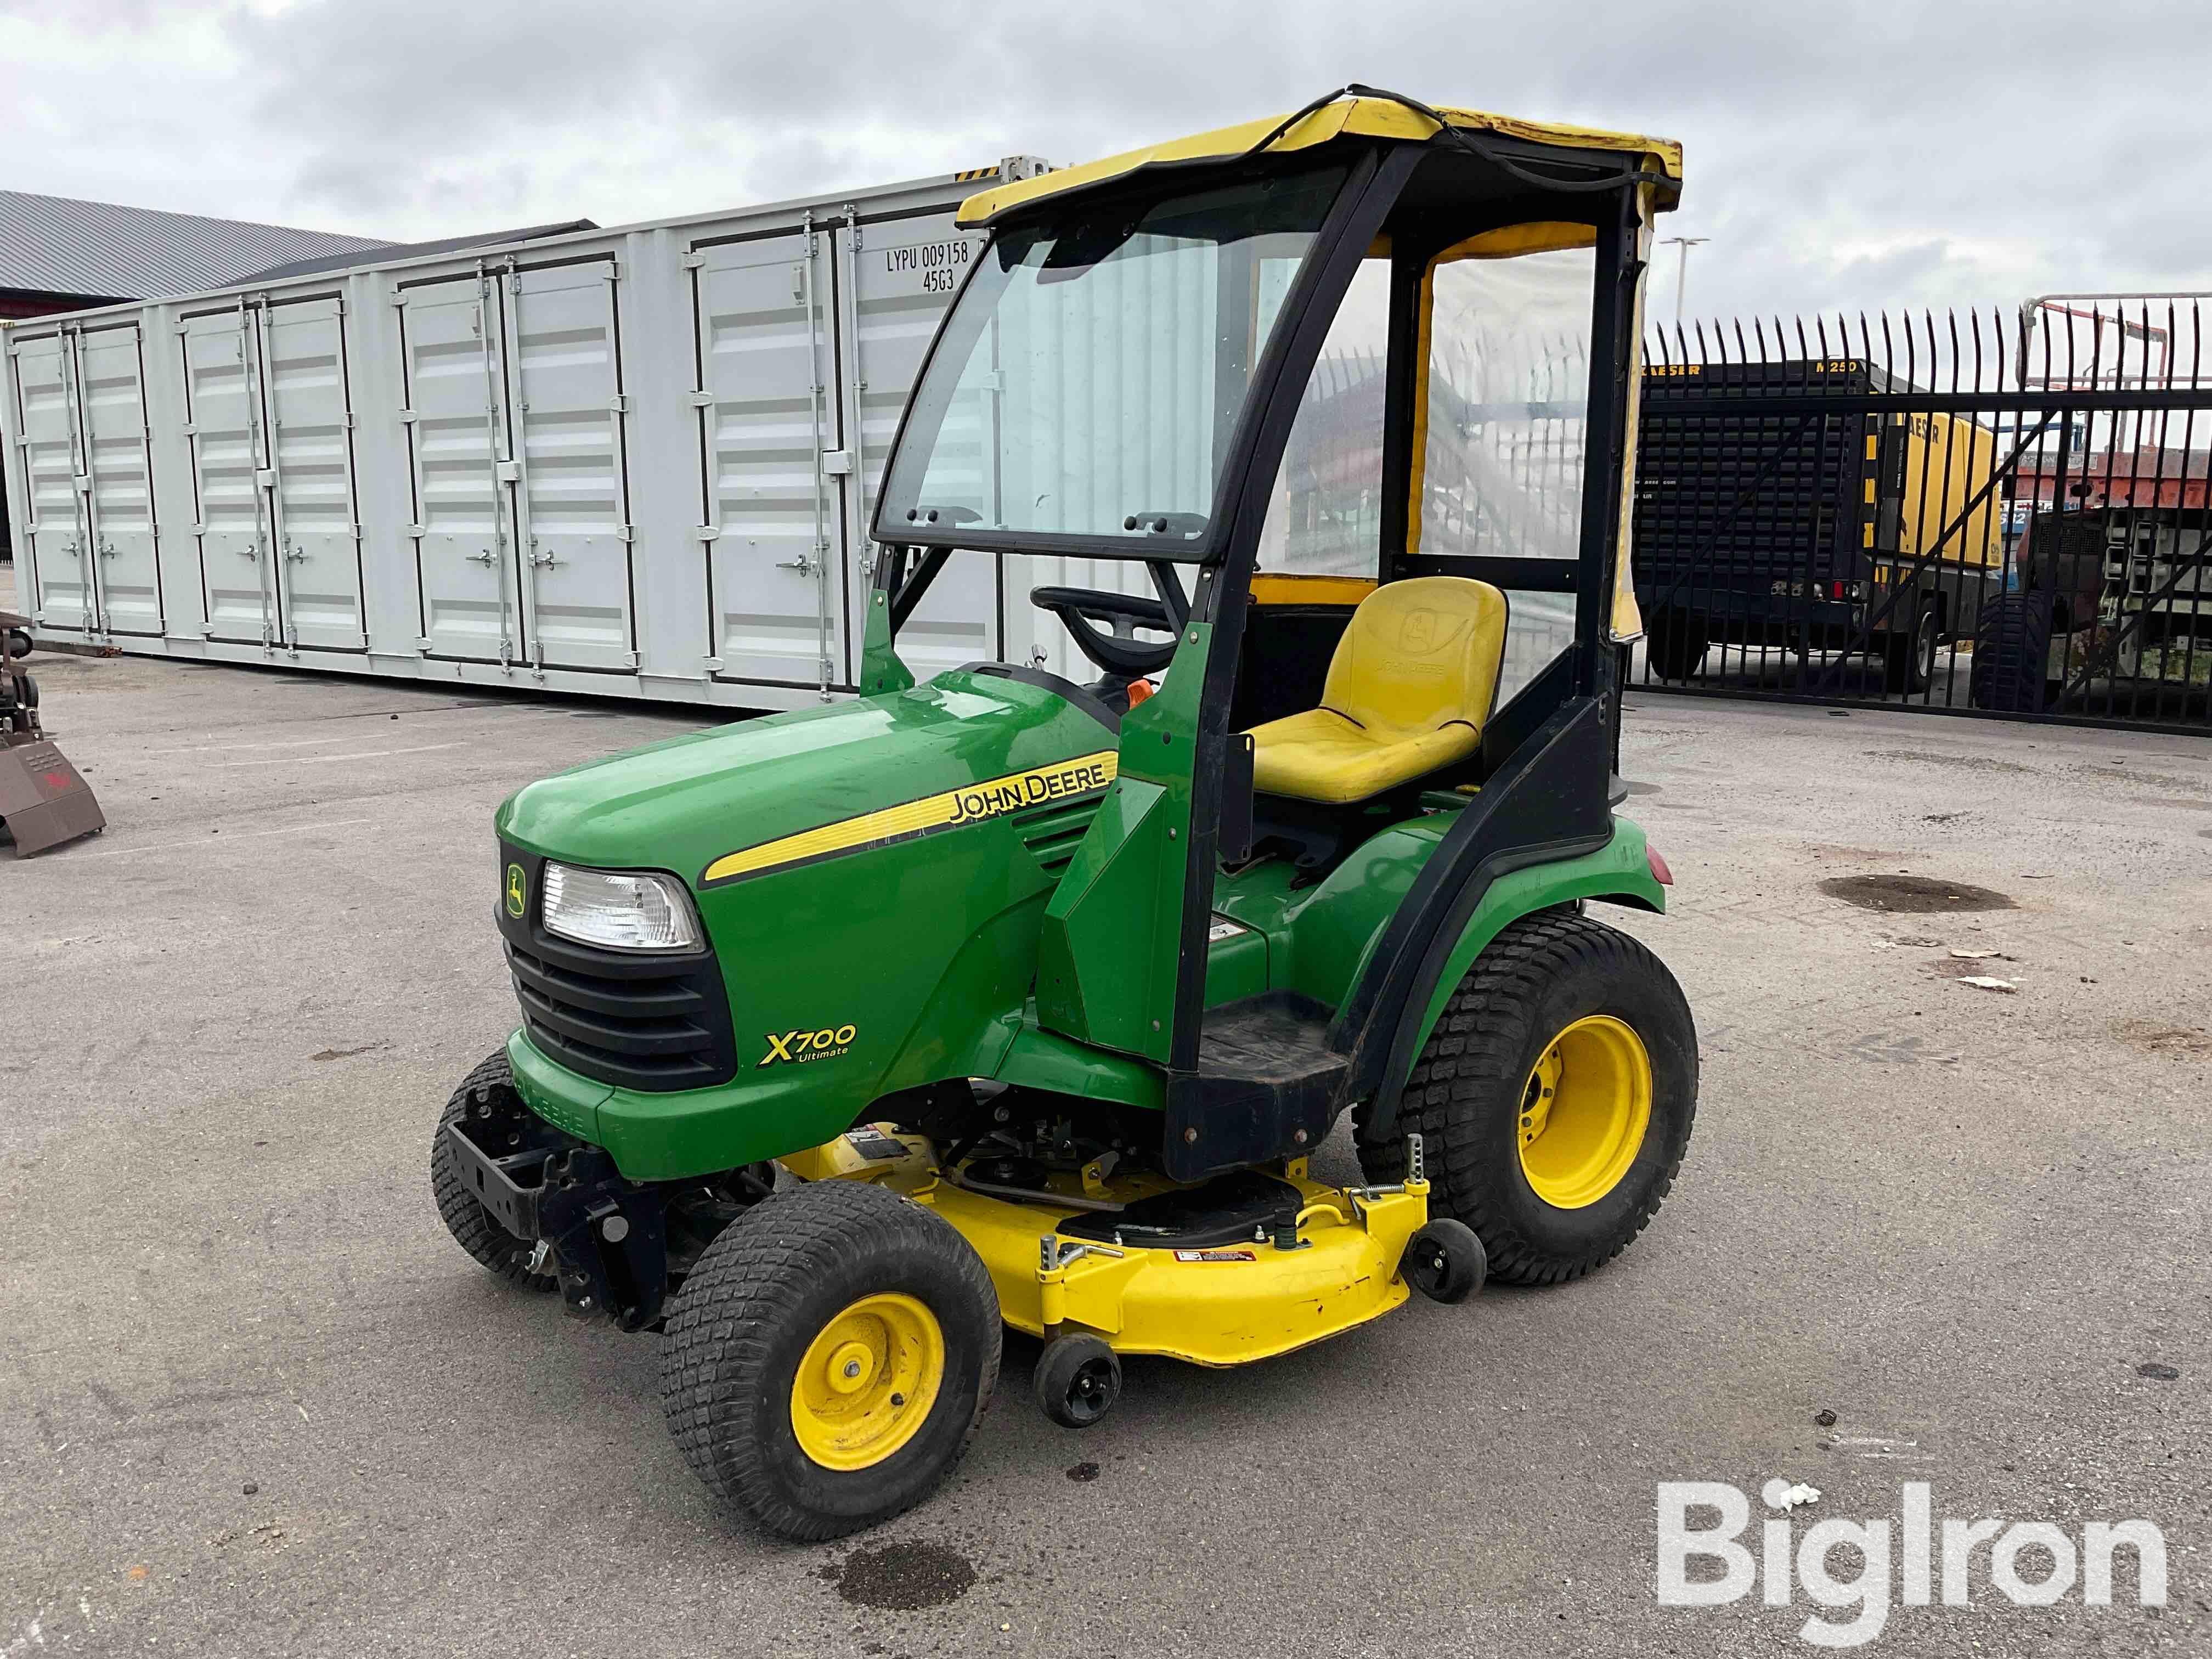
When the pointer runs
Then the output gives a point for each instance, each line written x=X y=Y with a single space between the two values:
x=637 y=462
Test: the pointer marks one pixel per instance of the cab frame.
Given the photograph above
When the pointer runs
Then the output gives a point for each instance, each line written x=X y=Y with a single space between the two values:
x=1547 y=758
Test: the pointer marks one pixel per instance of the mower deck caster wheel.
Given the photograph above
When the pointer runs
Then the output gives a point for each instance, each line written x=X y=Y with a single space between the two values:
x=1445 y=1260
x=1078 y=1378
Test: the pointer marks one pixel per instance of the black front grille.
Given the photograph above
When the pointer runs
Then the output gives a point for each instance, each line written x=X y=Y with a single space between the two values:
x=654 y=1023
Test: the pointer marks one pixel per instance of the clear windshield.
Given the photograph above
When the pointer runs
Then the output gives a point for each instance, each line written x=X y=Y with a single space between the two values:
x=1089 y=380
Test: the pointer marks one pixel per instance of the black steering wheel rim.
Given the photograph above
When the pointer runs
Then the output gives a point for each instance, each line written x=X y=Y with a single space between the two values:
x=1115 y=653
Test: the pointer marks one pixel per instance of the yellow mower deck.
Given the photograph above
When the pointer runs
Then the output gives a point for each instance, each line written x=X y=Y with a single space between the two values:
x=1225 y=1305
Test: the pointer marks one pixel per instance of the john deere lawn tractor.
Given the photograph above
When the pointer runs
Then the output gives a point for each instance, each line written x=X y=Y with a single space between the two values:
x=853 y=1035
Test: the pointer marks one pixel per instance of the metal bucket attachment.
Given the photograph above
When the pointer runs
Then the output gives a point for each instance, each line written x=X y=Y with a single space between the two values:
x=43 y=801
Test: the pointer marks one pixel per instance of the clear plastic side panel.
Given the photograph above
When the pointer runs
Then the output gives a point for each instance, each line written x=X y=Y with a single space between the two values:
x=1325 y=516
x=310 y=437
x=463 y=546
x=574 y=512
x=1507 y=417
x=771 y=546
x=51 y=523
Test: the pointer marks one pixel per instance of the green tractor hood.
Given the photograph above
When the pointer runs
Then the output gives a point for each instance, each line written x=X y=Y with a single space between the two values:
x=689 y=803
x=875 y=871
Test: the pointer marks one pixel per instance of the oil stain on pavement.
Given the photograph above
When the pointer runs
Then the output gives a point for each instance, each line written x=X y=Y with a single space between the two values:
x=906 y=1577
x=1913 y=895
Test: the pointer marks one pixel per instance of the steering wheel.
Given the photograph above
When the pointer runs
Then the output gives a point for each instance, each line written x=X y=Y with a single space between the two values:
x=1081 y=609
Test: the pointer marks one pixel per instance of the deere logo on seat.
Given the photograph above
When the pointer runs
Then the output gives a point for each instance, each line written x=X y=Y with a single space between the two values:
x=518 y=892
x=1423 y=633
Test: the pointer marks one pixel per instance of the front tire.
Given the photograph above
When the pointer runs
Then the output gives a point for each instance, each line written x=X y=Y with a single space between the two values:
x=486 y=1095
x=1554 y=1097
x=829 y=1358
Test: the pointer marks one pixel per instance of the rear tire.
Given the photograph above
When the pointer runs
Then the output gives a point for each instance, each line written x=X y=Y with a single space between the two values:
x=753 y=1363
x=2012 y=653
x=1541 y=981
x=495 y=1249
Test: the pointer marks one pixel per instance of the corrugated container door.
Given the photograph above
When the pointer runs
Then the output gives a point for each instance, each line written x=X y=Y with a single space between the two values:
x=454 y=361
x=119 y=489
x=572 y=494
x=224 y=421
x=53 y=525
x=897 y=278
x=303 y=348
x=767 y=417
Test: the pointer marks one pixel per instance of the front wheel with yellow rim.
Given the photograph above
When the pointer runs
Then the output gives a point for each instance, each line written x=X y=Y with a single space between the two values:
x=1554 y=1097
x=829 y=1357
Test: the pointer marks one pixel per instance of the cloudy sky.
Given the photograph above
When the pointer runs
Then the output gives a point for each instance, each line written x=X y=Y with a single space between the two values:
x=1840 y=153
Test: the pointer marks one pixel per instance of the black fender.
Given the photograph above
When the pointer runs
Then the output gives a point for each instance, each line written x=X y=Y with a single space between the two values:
x=1548 y=801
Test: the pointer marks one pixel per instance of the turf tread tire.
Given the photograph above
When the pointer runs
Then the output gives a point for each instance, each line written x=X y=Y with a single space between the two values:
x=725 y=1384
x=495 y=1249
x=1479 y=1053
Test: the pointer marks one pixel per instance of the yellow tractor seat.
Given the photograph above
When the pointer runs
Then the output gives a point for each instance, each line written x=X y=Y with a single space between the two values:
x=1409 y=688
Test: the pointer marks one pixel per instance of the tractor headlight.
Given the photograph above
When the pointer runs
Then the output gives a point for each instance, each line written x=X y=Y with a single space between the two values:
x=619 y=910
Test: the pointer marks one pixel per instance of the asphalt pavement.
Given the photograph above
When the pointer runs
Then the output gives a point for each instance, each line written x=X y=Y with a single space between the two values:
x=254 y=1401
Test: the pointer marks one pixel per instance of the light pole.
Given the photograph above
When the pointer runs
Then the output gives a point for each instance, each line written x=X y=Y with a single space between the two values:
x=1682 y=267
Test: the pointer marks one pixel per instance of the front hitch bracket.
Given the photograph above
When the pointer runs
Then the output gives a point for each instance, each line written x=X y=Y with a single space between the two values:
x=610 y=1236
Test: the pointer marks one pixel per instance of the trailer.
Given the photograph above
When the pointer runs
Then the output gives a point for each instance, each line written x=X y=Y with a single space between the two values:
x=2105 y=602
x=1762 y=519
x=636 y=462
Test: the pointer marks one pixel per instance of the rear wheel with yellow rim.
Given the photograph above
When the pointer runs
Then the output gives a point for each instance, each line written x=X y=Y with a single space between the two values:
x=1555 y=1098
x=827 y=1359
x=1585 y=1109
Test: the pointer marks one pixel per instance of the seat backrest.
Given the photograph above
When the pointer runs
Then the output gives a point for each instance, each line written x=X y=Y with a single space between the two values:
x=1418 y=654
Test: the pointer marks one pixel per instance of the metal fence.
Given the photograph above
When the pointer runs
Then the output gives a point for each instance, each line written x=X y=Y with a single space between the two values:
x=1991 y=514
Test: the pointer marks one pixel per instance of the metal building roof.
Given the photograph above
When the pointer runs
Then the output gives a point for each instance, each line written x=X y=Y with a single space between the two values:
x=54 y=245
x=380 y=253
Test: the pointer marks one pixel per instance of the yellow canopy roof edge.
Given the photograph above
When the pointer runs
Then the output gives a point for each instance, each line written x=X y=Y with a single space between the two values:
x=1511 y=241
x=1374 y=118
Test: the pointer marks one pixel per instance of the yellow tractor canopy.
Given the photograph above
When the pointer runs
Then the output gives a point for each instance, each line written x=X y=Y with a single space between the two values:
x=1387 y=118
x=1367 y=118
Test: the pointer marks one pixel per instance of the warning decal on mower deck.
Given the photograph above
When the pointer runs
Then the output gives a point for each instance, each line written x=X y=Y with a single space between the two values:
x=954 y=809
x=1215 y=1256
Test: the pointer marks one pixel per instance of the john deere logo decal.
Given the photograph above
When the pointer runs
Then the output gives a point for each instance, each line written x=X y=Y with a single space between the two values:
x=954 y=809
x=518 y=892
x=801 y=1046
